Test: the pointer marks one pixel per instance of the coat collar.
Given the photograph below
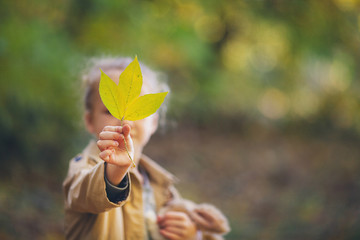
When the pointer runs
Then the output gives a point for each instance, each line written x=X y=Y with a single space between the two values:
x=156 y=173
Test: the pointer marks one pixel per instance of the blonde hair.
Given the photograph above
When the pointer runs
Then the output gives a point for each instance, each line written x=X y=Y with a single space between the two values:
x=91 y=78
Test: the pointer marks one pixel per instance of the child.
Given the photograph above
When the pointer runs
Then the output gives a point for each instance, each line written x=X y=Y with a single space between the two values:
x=106 y=198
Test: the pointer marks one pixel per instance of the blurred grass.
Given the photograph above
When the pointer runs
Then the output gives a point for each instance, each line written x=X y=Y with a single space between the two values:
x=265 y=95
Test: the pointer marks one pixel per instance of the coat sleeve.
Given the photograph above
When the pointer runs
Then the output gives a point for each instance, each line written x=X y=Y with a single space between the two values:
x=85 y=188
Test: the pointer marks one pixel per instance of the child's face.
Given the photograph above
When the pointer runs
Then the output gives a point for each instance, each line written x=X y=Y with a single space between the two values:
x=99 y=117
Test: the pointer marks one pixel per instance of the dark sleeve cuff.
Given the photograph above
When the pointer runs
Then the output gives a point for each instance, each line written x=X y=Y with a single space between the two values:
x=117 y=193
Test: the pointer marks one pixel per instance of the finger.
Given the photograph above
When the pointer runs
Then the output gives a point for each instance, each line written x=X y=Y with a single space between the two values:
x=175 y=215
x=172 y=223
x=200 y=220
x=105 y=144
x=174 y=219
x=206 y=215
x=169 y=234
x=126 y=130
x=105 y=155
x=112 y=128
x=171 y=215
x=109 y=135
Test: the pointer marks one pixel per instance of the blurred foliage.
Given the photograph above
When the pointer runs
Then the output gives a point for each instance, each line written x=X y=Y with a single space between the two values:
x=291 y=64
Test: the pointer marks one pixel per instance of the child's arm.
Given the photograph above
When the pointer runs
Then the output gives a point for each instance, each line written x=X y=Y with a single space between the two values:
x=114 y=152
x=84 y=187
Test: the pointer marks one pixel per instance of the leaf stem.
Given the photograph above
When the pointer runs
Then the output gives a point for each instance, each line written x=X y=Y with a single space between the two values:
x=127 y=150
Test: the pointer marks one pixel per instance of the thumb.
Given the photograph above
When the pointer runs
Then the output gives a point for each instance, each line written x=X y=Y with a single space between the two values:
x=126 y=130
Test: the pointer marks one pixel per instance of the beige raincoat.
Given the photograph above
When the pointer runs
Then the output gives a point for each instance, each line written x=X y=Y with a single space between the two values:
x=89 y=214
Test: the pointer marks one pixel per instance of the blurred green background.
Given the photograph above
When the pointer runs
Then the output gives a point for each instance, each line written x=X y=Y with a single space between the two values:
x=264 y=115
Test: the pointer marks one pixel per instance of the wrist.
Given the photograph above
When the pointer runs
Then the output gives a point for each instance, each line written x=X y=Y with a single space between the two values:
x=114 y=174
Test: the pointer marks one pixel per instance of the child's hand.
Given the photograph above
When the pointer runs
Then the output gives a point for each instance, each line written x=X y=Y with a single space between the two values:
x=176 y=225
x=112 y=146
x=113 y=151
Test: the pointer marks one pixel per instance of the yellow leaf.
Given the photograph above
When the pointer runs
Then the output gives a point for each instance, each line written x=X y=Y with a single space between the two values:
x=123 y=101
x=144 y=106
x=130 y=83
x=109 y=94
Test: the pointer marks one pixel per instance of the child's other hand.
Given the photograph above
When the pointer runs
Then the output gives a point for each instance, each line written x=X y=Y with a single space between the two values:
x=112 y=146
x=176 y=225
